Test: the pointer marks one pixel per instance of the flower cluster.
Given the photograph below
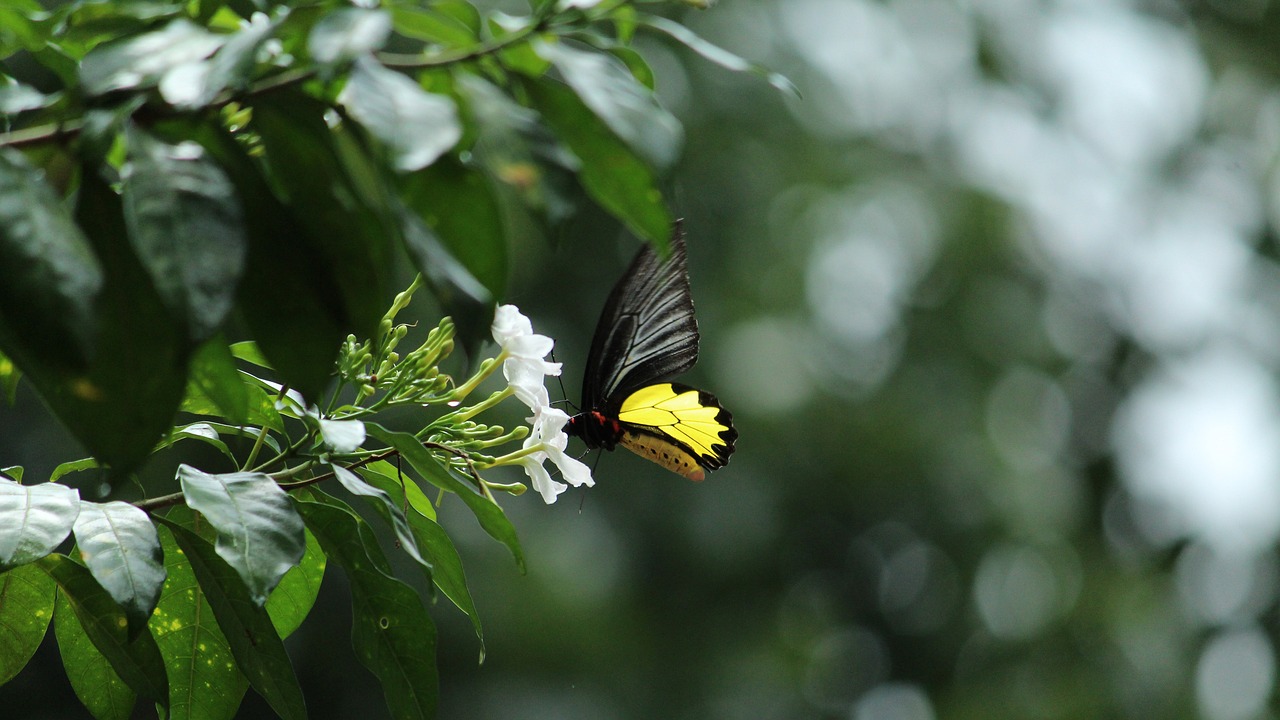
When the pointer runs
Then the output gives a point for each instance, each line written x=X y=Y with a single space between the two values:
x=524 y=367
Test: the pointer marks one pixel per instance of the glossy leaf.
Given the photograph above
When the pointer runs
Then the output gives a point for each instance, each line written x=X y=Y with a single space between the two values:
x=348 y=33
x=291 y=601
x=118 y=543
x=26 y=607
x=94 y=682
x=611 y=174
x=257 y=649
x=137 y=662
x=13 y=472
x=203 y=432
x=73 y=466
x=487 y=512
x=716 y=54
x=433 y=541
x=628 y=108
x=186 y=226
x=49 y=277
x=390 y=630
x=140 y=61
x=415 y=125
x=197 y=84
x=259 y=533
x=205 y=682
x=387 y=507
x=34 y=520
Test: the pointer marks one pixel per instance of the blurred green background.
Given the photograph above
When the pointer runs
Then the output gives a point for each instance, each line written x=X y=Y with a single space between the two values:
x=996 y=308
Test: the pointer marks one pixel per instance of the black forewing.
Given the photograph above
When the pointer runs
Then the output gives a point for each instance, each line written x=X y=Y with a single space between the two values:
x=647 y=331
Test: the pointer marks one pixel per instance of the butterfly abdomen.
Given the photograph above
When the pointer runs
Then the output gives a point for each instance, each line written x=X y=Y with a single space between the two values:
x=664 y=453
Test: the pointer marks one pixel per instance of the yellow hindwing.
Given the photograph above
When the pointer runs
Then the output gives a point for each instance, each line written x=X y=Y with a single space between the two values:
x=689 y=418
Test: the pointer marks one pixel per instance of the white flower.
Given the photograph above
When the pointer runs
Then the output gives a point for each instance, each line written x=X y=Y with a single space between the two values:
x=523 y=365
x=549 y=438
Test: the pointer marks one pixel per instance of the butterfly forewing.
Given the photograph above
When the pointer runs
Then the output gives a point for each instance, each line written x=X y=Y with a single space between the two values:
x=647 y=331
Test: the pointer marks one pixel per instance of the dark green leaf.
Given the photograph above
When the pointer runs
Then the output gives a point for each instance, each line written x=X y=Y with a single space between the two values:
x=415 y=125
x=446 y=564
x=391 y=632
x=348 y=33
x=26 y=607
x=262 y=410
x=118 y=544
x=491 y=517
x=202 y=432
x=258 y=650
x=141 y=61
x=716 y=54
x=459 y=205
x=614 y=177
x=291 y=601
x=461 y=296
x=628 y=108
x=259 y=534
x=288 y=275
x=137 y=662
x=341 y=205
x=94 y=682
x=213 y=371
x=389 y=509
x=185 y=224
x=34 y=519
x=49 y=277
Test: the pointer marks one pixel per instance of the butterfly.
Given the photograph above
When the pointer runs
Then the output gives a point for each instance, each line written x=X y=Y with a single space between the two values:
x=646 y=335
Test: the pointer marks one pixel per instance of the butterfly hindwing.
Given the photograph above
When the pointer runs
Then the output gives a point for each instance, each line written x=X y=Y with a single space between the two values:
x=690 y=420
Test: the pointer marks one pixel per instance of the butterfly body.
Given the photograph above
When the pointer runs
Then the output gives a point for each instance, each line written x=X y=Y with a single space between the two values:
x=647 y=334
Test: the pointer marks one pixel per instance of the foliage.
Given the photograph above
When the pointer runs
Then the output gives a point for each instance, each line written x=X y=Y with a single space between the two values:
x=176 y=175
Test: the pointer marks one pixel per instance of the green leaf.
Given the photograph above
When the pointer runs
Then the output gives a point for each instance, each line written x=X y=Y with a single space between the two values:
x=390 y=630
x=197 y=84
x=459 y=205
x=611 y=174
x=213 y=371
x=417 y=126
x=288 y=275
x=446 y=564
x=205 y=682
x=518 y=152
x=628 y=108
x=460 y=294
x=16 y=97
x=94 y=682
x=118 y=543
x=341 y=204
x=387 y=507
x=348 y=33
x=34 y=520
x=259 y=534
x=73 y=466
x=431 y=26
x=249 y=351
x=258 y=650
x=716 y=54
x=141 y=61
x=203 y=432
x=487 y=512
x=137 y=662
x=49 y=277
x=185 y=224
x=13 y=472
x=291 y=601
x=26 y=607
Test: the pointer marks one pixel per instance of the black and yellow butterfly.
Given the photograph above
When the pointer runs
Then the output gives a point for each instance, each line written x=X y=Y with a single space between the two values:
x=646 y=335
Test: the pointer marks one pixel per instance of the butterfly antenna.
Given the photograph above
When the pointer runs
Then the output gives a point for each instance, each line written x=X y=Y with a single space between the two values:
x=563 y=395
